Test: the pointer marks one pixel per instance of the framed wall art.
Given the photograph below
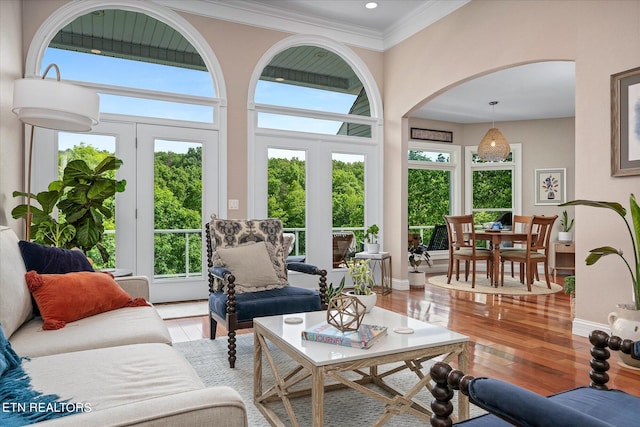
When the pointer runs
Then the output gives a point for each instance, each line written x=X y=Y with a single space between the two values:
x=551 y=186
x=625 y=123
x=432 y=135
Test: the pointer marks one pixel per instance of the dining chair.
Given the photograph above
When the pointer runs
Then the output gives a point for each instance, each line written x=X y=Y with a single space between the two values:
x=462 y=247
x=536 y=249
x=521 y=224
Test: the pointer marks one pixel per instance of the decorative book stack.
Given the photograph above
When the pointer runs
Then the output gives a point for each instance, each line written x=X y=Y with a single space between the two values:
x=364 y=337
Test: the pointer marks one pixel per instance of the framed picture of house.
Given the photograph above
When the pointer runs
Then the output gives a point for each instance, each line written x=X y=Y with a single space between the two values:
x=432 y=135
x=550 y=186
x=625 y=123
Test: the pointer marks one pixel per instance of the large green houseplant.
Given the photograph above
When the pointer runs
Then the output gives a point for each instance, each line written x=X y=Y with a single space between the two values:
x=625 y=321
x=597 y=253
x=81 y=199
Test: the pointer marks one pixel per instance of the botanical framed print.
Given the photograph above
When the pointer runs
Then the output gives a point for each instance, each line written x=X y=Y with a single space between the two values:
x=625 y=123
x=551 y=186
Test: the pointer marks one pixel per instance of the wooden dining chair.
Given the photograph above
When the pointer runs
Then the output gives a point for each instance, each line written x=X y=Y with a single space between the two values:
x=462 y=247
x=536 y=249
x=520 y=223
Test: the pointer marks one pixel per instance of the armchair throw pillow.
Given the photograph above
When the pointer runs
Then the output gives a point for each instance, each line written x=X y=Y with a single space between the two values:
x=64 y=298
x=251 y=265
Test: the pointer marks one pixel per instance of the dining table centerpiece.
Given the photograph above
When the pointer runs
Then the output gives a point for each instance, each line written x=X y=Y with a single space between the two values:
x=625 y=321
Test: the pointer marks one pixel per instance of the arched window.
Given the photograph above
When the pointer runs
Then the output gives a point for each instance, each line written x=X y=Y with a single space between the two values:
x=160 y=112
x=315 y=145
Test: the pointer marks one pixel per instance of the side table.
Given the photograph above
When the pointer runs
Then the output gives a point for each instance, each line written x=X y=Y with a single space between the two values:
x=383 y=261
x=565 y=257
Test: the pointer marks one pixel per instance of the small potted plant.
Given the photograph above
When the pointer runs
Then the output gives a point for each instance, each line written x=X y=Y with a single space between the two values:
x=417 y=254
x=363 y=282
x=570 y=289
x=333 y=291
x=371 y=244
x=566 y=235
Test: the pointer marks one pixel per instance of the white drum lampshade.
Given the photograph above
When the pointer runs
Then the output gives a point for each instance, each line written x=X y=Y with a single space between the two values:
x=53 y=104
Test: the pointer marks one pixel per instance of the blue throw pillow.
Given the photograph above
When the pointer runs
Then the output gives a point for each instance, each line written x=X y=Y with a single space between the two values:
x=21 y=405
x=52 y=260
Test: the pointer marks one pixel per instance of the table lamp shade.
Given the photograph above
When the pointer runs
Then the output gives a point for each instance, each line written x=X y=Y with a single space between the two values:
x=53 y=104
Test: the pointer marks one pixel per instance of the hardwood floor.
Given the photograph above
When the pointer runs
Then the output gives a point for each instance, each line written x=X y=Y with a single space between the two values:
x=525 y=340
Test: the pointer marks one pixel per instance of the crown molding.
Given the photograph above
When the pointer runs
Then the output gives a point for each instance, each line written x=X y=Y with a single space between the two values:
x=280 y=19
x=429 y=13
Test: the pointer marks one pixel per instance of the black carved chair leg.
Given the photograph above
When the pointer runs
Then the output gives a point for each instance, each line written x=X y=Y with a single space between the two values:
x=213 y=325
x=442 y=393
x=232 y=349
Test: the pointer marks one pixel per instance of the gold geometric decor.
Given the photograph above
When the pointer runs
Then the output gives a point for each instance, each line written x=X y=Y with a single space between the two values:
x=345 y=313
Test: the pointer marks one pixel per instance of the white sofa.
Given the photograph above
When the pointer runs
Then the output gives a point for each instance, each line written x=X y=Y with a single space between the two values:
x=120 y=363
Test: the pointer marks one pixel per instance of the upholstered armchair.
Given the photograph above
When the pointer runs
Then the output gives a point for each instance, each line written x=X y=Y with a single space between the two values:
x=248 y=276
x=508 y=404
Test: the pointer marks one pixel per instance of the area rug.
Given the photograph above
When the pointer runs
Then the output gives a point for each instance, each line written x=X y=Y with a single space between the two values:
x=342 y=407
x=512 y=286
x=175 y=310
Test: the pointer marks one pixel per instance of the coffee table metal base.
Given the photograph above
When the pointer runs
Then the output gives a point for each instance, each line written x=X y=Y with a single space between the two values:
x=396 y=402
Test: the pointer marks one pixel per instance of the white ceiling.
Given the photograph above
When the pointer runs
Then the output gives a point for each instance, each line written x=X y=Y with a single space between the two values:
x=535 y=91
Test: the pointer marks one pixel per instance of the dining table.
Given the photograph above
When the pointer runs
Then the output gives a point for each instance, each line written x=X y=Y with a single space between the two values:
x=495 y=238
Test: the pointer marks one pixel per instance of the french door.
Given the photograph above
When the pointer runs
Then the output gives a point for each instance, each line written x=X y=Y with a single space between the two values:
x=311 y=170
x=172 y=189
x=177 y=191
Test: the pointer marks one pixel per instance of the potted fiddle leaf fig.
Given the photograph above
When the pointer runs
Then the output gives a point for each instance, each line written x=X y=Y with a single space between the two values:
x=625 y=322
x=81 y=197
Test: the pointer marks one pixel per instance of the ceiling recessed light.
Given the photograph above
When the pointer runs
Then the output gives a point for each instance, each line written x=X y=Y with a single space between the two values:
x=96 y=51
x=371 y=5
x=279 y=79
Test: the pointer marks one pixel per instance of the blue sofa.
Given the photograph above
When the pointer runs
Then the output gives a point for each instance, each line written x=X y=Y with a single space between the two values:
x=507 y=404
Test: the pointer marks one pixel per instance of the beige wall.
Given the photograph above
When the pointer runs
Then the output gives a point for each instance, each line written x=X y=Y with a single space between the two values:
x=11 y=131
x=601 y=37
x=545 y=144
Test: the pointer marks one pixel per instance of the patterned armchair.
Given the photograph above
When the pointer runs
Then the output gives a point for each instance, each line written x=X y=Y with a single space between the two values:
x=248 y=276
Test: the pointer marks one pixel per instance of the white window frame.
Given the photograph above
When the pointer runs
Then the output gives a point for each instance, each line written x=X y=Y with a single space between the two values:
x=319 y=149
x=454 y=166
x=515 y=165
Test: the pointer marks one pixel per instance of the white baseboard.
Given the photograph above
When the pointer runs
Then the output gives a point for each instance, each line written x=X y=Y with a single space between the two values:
x=401 y=285
x=583 y=328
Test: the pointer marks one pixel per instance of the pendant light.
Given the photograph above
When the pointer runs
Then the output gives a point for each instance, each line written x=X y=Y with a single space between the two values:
x=494 y=146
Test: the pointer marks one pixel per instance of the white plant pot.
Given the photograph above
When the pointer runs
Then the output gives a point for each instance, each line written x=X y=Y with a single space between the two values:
x=369 y=301
x=625 y=323
x=416 y=279
x=565 y=236
x=372 y=248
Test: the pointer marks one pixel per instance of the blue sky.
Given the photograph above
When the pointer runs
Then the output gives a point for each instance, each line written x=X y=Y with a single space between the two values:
x=136 y=74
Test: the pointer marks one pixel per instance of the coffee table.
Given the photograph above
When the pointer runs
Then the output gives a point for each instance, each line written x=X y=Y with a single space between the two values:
x=320 y=361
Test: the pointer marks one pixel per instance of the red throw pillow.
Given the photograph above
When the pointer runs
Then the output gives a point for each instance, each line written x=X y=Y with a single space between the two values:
x=64 y=298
